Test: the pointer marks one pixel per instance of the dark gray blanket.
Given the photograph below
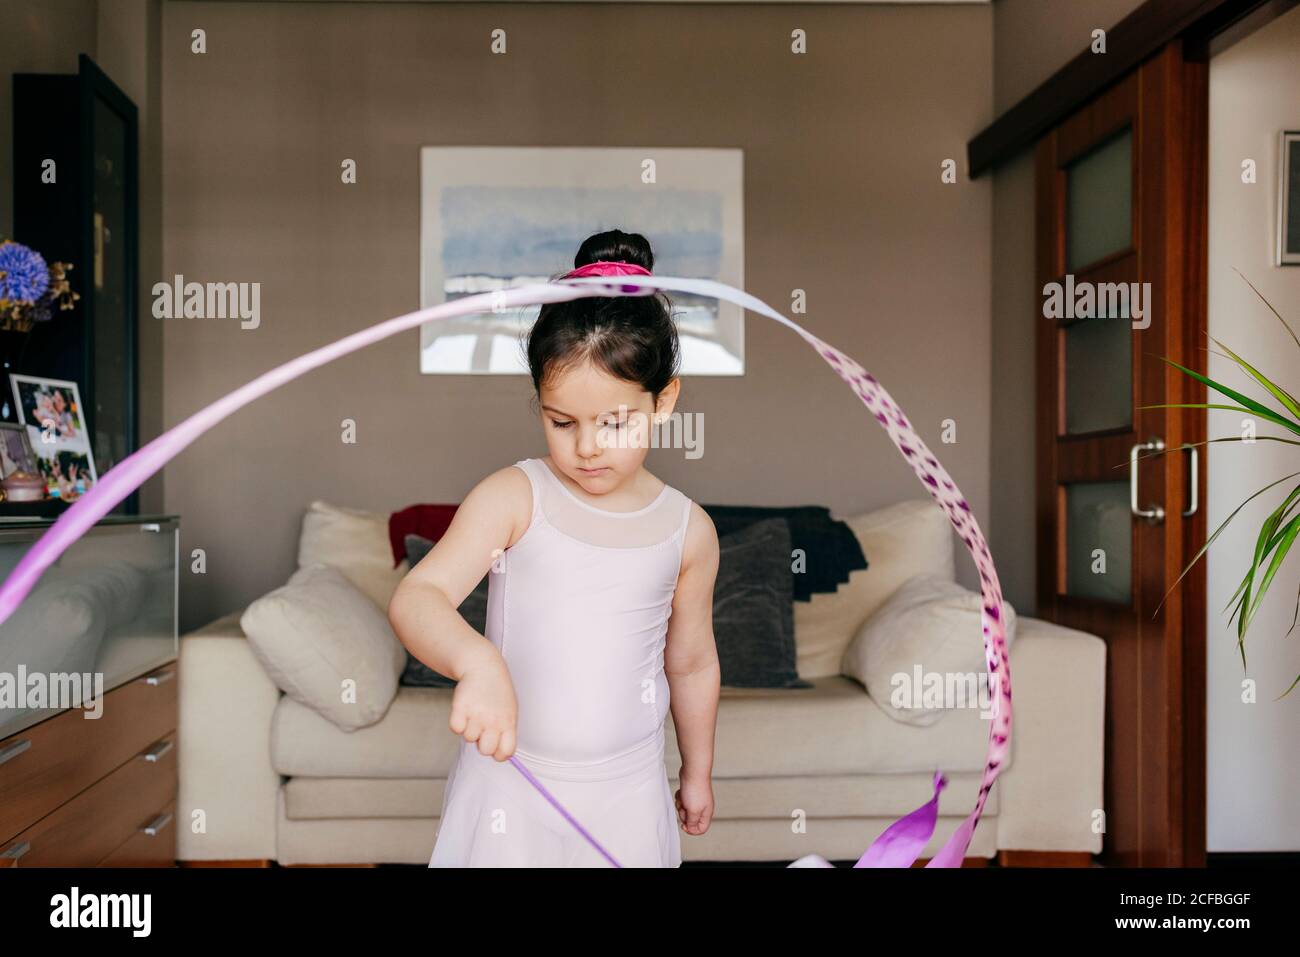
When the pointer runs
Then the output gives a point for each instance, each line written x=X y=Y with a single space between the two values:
x=830 y=548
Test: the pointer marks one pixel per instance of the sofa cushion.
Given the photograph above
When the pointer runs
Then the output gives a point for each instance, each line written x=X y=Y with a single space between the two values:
x=928 y=629
x=828 y=729
x=327 y=646
x=908 y=538
x=356 y=543
x=473 y=609
x=753 y=617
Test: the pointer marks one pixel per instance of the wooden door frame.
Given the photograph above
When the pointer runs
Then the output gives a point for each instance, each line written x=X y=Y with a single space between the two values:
x=1169 y=97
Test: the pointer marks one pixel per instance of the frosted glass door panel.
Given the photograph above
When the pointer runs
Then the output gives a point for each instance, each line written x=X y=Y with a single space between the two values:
x=1098 y=541
x=1099 y=203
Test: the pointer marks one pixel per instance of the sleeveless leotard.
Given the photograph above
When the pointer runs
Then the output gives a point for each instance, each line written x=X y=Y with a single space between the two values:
x=579 y=609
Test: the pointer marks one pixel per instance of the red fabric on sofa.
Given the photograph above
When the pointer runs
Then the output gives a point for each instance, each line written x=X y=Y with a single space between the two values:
x=430 y=521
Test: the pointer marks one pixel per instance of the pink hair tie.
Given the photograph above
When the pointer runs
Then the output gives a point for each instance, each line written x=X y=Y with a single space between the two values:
x=606 y=267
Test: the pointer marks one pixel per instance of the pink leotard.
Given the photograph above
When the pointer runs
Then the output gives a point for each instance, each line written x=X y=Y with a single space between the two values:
x=579 y=609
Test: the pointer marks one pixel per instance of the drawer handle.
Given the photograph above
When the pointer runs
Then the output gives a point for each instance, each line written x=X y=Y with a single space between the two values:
x=157 y=824
x=160 y=677
x=17 y=851
x=158 y=750
x=12 y=751
x=151 y=527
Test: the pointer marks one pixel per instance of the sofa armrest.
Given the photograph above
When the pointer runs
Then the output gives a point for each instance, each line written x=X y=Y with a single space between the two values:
x=226 y=704
x=1049 y=793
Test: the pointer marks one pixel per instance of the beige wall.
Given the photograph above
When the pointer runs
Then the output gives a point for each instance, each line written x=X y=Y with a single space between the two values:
x=129 y=51
x=121 y=36
x=842 y=198
x=1035 y=38
x=1251 y=802
x=1032 y=39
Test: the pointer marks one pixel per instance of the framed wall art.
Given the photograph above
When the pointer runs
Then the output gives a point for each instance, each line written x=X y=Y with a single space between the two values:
x=495 y=217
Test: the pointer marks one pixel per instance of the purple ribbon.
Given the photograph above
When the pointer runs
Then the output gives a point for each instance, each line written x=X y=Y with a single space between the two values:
x=904 y=840
x=564 y=813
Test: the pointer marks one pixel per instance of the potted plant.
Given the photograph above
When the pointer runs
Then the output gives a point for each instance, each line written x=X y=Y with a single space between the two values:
x=1279 y=530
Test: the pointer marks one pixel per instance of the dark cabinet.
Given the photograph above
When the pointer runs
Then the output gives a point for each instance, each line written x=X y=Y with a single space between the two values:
x=75 y=199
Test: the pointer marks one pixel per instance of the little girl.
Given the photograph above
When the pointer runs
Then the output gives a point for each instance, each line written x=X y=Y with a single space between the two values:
x=599 y=607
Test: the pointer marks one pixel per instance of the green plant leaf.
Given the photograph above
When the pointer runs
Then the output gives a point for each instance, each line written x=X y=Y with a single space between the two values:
x=1279 y=556
x=1247 y=609
x=1267 y=303
x=1295 y=615
x=1266 y=529
x=1241 y=646
x=1248 y=583
x=1266 y=414
x=1257 y=407
x=1285 y=516
x=1277 y=391
x=1288 y=690
x=1209 y=541
x=1217 y=386
x=1233 y=358
x=1267 y=540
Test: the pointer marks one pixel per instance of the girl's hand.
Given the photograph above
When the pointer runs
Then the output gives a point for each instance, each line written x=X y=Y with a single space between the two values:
x=483 y=707
x=694 y=800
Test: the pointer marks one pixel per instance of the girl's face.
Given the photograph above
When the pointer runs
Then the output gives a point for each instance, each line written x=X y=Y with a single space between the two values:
x=598 y=427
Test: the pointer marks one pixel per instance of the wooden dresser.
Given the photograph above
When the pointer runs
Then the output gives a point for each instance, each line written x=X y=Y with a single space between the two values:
x=90 y=777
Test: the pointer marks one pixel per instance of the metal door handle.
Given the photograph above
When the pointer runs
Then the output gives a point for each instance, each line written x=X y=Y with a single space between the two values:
x=1155 y=513
x=1192 y=503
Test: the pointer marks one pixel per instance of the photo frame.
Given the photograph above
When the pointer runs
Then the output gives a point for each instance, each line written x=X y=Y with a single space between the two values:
x=496 y=217
x=1288 y=200
x=51 y=412
x=15 y=450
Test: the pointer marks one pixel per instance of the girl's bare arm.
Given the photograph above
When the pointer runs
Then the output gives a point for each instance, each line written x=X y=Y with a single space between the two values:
x=423 y=608
x=691 y=655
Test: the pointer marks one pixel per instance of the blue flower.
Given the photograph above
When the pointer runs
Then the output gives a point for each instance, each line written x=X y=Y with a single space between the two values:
x=24 y=276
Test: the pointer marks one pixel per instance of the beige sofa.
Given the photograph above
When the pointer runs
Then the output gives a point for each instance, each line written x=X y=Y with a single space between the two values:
x=797 y=771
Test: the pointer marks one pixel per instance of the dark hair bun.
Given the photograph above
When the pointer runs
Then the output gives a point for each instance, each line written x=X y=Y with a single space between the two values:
x=614 y=245
x=633 y=338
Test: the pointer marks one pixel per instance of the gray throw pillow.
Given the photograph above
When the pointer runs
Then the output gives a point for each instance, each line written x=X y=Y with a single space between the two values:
x=753 y=612
x=473 y=609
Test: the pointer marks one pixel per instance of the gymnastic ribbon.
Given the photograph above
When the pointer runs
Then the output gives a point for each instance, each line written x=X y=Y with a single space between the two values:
x=902 y=842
